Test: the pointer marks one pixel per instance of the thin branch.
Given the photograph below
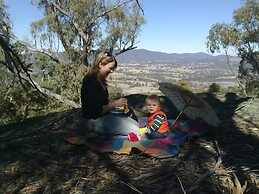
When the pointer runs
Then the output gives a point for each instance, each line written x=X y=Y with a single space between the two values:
x=54 y=95
x=245 y=105
x=124 y=50
x=108 y=11
x=42 y=51
x=131 y=186
x=232 y=71
x=142 y=10
x=17 y=61
x=23 y=77
x=181 y=184
x=12 y=60
x=60 y=31
x=76 y=25
x=48 y=54
x=208 y=174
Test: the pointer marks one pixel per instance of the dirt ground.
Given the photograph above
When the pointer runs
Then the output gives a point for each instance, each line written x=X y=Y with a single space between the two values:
x=34 y=158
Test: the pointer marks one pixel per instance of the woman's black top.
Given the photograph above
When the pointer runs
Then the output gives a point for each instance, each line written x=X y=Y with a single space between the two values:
x=93 y=97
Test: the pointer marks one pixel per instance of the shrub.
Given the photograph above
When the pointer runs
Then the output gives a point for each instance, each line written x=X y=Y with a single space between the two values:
x=214 y=88
x=185 y=84
x=252 y=88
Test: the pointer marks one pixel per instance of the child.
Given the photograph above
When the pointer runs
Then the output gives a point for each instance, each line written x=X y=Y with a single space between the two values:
x=157 y=124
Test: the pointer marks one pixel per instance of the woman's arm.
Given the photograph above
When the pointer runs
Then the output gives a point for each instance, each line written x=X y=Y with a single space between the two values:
x=112 y=104
x=108 y=107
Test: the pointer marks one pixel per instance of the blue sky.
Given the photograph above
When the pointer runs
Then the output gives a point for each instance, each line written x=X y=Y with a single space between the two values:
x=173 y=26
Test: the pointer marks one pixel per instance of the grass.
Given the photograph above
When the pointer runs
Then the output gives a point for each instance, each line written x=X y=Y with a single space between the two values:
x=36 y=159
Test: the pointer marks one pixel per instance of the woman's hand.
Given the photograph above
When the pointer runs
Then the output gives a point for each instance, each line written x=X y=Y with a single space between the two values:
x=119 y=103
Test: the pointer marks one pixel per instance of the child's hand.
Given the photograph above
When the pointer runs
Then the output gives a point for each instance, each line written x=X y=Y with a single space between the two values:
x=142 y=130
x=148 y=131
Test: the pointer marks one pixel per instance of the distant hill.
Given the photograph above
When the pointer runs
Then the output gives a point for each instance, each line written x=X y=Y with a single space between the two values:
x=153 y=57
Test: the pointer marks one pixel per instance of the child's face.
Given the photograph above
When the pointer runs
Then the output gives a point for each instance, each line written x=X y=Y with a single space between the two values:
x=152 y=106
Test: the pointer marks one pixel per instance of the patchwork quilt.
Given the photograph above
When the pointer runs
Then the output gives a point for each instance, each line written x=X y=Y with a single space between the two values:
x=161 y=147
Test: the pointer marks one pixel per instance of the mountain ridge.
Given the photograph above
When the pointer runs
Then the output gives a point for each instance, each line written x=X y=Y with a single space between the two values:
x=152 y=57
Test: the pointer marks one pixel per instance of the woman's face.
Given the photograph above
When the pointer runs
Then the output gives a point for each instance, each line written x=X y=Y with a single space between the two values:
x=105 y=70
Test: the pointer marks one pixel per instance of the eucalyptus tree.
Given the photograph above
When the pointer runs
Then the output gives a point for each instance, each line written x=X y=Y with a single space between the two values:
x=242 y=35
x=82 y=27
x=69 y=32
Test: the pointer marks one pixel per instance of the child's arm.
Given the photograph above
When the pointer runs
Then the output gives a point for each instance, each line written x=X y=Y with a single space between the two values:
x=156 y=123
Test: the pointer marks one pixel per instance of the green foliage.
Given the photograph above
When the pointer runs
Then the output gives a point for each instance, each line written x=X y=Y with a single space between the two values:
x=185 y=84
x=16 y=104
x=17 y=101
x=252 y=88
x=75 y=28
x=222 y=36
x=5 y=31
x=122 y=27
x=115 y=92
x=241 y=34
x=214 y=88
x=5 y=25
x=84 y=26
x=44 y=64
x=66 y=80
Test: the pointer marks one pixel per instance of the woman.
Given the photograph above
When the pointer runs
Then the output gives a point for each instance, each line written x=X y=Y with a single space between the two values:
x=96 y=105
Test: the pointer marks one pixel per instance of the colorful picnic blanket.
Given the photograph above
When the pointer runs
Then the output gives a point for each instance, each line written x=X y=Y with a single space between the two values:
x=161 y=147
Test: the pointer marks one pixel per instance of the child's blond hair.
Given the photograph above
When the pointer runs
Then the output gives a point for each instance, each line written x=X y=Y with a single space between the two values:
x=154 y=98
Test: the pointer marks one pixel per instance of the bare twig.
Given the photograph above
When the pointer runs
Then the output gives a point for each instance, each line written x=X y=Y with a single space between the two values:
x=181 y=184
x=44 y=52
x=49 y=93
x=207 y=174
x=245 y=105
x=77 y=183
x=142 y=10
x=232 y=71
x=131 y=186
x=76 y=25
x=143 y=176
x=124 y=50
x=236 y=187
x=15 y=65
x=108 y=11
x=178 y=116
